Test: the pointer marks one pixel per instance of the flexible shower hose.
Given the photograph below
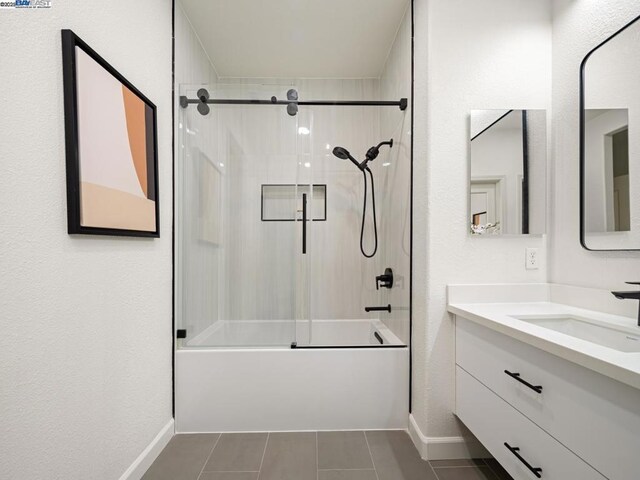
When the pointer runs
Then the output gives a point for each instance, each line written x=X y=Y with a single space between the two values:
x=364 y=214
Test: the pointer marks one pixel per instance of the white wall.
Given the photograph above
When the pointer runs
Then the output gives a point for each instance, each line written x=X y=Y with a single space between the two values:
x=86 y=321
x=485 y=54
x=538 y=142
x=578 y=26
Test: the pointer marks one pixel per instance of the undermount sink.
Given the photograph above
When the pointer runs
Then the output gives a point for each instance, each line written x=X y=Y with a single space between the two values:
x=610 y=336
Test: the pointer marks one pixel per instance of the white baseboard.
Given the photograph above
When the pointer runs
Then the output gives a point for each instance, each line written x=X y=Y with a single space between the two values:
x=445 y=448
x=141 y=464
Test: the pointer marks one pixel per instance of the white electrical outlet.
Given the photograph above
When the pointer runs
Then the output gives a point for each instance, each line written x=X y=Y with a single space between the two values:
x=531 y=259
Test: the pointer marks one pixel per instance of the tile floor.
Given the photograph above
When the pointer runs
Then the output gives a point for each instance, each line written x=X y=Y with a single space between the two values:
x=372 y=455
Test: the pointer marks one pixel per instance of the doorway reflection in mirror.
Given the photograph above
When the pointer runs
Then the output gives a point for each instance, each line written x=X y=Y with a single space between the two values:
x=607 y=207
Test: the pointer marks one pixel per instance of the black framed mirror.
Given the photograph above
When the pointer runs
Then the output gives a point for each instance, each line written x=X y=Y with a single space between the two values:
x=609 y=141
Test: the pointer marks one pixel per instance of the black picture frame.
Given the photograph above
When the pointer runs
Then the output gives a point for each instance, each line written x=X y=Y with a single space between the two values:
x=69 y=43
x=583 y=65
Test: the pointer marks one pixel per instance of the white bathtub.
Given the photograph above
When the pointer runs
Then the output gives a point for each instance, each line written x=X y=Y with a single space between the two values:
x=284 y=388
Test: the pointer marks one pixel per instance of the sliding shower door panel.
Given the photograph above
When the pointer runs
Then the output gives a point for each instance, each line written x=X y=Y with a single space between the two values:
x=200 y=249
x=236 y=269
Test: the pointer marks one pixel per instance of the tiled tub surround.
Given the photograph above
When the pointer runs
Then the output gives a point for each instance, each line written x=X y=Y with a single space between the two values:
x=584 y=419
x=345 y=455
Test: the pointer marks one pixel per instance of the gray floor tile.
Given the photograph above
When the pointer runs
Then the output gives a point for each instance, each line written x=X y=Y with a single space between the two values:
x=347 y=475
x=290 y=456
x=183 y=458
x=229 y=476
x=237 y=452
x=500 y=472
x=343 y=450
x=478 y=462
x=396 y=458
x=465 y=473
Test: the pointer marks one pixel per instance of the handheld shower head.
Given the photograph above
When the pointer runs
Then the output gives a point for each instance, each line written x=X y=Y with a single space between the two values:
x=344 y=154
x=341 y=153
x=372 y=153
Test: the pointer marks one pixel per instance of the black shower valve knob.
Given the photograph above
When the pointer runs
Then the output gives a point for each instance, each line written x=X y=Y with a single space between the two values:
x=385 y=280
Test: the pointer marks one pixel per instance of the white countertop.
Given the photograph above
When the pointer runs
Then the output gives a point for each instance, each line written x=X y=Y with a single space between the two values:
x=622 y=366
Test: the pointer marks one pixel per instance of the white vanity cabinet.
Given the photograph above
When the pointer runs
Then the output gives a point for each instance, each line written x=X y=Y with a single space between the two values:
x=567 y=420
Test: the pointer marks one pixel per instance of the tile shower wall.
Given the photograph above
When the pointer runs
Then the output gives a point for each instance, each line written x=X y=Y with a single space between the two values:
x=256 y=145
x=298 y=150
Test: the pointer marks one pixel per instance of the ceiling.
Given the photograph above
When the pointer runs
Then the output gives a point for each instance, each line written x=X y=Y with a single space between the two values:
x=296 y=38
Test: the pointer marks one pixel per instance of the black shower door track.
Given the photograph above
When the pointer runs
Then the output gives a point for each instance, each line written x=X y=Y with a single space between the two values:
x=402 y=103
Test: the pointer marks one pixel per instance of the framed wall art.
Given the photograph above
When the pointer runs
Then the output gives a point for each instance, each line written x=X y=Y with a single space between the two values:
x=111 y=148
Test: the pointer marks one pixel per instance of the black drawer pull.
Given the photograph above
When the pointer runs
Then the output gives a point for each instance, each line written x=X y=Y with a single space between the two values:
x=535 y=470
x=536 y=388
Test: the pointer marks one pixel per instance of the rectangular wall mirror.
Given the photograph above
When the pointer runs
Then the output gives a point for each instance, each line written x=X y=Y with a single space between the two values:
x=610 y=139
x=507 y=184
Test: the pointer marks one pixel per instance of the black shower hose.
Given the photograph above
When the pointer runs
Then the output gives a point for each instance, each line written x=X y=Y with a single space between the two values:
x=364 y=214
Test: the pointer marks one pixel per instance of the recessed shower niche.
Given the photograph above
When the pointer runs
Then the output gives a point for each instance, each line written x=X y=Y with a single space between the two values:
x=312 y=162
x=280 y=202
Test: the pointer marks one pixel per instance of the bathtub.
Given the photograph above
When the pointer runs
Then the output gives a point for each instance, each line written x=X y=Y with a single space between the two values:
x=340 y=375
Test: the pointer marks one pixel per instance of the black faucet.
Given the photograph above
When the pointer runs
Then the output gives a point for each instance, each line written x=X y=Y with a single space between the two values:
x=385 y=280
x=633 y=295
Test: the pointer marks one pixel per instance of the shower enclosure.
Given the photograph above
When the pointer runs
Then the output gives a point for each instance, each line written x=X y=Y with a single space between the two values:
x=271 y=286
x=266 y=222
x=291 y=311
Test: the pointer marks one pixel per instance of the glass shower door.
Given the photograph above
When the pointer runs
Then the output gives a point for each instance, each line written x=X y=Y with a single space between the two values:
x=338 y=282
x=238 y=241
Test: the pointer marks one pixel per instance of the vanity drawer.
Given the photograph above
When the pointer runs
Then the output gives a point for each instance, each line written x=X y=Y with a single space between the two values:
x=497 y=424
x=594 y=416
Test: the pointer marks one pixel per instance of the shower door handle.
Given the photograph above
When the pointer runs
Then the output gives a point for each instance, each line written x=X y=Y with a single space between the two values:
x=304 y=223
